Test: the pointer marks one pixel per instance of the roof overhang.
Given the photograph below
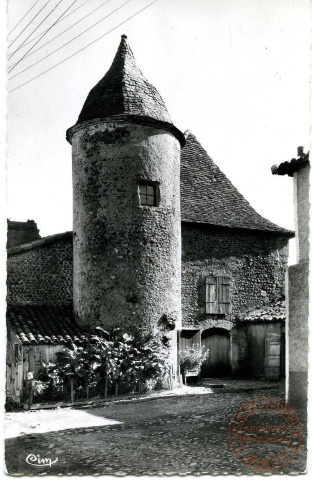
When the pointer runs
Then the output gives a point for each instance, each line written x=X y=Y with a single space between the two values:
x=40 y=243
x=289 y=168
x=136 y=119
x=281 y=232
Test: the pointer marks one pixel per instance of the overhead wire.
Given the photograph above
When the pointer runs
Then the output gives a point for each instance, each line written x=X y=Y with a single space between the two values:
x=10 y=56
x=42 y=35
x=23 y=18
x=67 y=43
x=64 y=31
x=59 y=21
x=13 y=41
x=84 y=48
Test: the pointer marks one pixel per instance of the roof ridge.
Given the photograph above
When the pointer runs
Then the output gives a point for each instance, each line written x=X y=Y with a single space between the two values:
x=40 y=242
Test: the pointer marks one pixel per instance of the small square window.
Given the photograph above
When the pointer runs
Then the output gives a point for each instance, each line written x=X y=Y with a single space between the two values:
x=148 y=194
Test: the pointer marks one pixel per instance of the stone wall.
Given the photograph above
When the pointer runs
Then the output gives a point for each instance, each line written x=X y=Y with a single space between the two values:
x=302 y=211
x=41 y=272
x=255 y=262
x=127 y=257
x=298 y=333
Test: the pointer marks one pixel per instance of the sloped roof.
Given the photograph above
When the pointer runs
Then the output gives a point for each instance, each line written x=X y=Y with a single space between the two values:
x=208 y=196
x=124 y=91
x=289 y=168
x=41 y=242
x=44 y=324
x=269 y=312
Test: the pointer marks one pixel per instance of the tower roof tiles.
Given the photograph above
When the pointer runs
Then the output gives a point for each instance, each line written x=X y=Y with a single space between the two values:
x=124 y=91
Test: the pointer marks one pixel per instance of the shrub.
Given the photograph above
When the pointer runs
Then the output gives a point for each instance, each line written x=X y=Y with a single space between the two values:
x=107 y=363
x=49 y=385
x=192 y=357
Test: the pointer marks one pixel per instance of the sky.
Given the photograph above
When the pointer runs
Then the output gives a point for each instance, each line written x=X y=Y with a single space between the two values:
x=234 y=72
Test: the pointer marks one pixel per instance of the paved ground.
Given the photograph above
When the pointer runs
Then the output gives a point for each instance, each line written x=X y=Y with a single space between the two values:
x=186 y=434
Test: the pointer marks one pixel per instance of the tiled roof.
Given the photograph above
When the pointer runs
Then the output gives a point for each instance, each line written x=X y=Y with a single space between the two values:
x=40 y=243
x=288 y=168
x=207 y=195
x=43 y=324
x=268 y=313
x=124 y=91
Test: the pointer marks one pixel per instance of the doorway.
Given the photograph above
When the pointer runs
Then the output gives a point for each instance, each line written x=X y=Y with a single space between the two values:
x=217 y=340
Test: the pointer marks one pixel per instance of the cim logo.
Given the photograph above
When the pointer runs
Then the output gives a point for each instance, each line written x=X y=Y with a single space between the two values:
x=36 y=461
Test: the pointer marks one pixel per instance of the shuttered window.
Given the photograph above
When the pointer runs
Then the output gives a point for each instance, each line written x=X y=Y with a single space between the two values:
x=211 y=295
x=217 y=298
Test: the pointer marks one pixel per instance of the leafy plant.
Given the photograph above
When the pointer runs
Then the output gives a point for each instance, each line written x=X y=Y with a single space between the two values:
x=192 y=357
x=149 y=360
x=114 y=360
x=49 y=376
x=39 y=387
x=77 y=364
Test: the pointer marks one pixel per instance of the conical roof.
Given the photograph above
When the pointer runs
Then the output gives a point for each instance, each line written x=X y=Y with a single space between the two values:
x=124 y=91
x=208 y=196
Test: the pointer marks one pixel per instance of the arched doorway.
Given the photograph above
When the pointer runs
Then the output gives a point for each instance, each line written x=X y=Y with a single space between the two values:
x=217 y=340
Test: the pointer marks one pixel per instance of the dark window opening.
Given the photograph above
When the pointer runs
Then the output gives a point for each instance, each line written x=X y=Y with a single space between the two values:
x=148 y=194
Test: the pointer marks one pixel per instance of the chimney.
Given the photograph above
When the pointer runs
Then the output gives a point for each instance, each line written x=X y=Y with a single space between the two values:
x=300 y=151
x=22 y=232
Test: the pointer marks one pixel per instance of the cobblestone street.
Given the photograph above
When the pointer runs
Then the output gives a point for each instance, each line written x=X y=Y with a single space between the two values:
x=186 y=434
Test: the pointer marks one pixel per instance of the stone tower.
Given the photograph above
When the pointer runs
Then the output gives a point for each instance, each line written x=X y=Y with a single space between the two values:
x=126 y=188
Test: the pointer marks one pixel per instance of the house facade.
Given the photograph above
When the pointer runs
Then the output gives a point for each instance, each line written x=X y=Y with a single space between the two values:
x=233 y=264
x=162 y=242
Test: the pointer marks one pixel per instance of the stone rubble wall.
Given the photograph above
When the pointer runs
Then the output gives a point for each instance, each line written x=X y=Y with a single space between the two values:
x=127 y=257
x=42 y=274
x=256 y=263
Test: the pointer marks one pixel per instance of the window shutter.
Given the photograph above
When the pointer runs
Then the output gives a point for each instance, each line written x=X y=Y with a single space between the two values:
x=211 y=295
x=202 y=296
x=224 y=294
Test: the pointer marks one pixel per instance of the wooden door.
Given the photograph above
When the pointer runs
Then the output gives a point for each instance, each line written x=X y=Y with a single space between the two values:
x=256 y=348
x=189 y=338
x=217 y=364
x=272 y=361
x=257 y=334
